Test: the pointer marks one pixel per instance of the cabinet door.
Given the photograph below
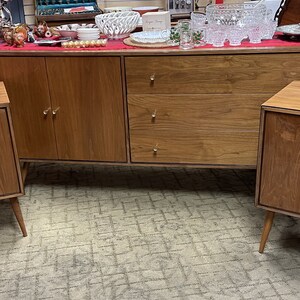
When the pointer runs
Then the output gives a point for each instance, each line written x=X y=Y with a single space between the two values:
x=89 y=124
x=25 y=80
x=9 y=184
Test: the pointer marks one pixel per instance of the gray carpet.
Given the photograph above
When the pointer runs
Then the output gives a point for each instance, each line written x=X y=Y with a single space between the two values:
x=144 y=233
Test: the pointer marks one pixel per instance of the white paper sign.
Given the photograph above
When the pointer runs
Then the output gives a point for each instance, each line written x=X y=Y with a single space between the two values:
x=156 y=21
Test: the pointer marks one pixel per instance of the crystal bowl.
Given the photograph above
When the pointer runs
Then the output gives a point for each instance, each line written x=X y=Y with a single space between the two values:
x=117 y=25
x=232 y=14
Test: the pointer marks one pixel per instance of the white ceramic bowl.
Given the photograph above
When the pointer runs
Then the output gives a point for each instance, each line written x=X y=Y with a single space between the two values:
x=117 y=25
x=87 y=30
x=70 y=30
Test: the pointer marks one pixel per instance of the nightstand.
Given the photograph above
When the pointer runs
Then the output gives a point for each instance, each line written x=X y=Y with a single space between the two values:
x=11 y=183
x=278 y=167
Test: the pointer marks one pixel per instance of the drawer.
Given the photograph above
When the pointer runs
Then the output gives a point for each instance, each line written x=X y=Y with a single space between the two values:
x=198 y=129
x=212 y=74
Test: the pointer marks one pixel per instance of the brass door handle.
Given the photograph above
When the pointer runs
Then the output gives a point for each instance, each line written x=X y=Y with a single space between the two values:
x=152 y=77
x=54 y=112
x=46 y=111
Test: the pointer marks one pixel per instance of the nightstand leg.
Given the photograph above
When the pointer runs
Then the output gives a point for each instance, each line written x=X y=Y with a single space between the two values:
x=266 y=230
x=18 y=213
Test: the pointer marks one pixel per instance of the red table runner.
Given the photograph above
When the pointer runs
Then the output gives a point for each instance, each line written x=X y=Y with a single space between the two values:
x=119 y=45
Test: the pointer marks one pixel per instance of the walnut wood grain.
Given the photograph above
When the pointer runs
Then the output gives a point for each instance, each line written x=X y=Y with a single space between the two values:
x=4 y=101
x=290 y=14
x=204 y=129
x=25 y=79
x=9 y=183
x=212 y=74
x=287 y=98
x=89 y=124
x=280 y=170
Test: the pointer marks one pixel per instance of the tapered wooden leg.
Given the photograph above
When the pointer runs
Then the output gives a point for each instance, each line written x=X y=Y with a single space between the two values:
x=266 y=230
x=24 y=170
x=18 y=213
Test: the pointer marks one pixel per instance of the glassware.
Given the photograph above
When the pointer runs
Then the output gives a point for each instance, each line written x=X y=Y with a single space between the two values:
x=199 y=36
x=235 y=36
x=268 y=29
x=198 y=19
x=230 y=14
x=186 y=34
x=255 y=34
x=218 y=36
x=174 y=36
x=186 y=39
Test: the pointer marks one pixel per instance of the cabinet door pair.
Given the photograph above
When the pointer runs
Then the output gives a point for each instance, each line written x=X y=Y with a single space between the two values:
x=66 y=108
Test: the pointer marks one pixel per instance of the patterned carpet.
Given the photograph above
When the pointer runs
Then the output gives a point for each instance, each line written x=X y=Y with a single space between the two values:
x=144 y=233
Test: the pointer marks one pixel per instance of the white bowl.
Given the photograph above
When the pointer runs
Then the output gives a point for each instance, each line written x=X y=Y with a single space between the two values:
x=70 y=30
x=88 y=30
x=117 y=25
x=88 y=38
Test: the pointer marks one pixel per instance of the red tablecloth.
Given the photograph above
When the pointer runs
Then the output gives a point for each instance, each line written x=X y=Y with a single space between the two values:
x=119 y=45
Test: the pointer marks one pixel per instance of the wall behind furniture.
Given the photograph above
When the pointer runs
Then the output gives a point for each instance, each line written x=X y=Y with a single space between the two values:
x=30 y=17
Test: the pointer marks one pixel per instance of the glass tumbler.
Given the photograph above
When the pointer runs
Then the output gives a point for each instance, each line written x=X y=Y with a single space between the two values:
x=174 y=36
x=199 y=36
x=269 y=28
x=218 y=36
x=255 y=34
x=186 y=35
x=186 y=39
x=235 y=36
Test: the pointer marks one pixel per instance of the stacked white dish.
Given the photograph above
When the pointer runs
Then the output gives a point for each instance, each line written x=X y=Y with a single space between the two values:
x=87 y=34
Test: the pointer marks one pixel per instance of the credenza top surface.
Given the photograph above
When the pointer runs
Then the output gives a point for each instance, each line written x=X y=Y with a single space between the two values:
x=287 y=98
x=151 y=52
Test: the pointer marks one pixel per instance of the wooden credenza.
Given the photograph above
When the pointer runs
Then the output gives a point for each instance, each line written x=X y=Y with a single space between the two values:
x=195 y=108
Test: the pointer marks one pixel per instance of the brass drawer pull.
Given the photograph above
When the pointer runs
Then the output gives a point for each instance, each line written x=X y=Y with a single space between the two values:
x=46 y=111
x=152 y=77
x=155 y=149
x=54 y=112
x=153 y=115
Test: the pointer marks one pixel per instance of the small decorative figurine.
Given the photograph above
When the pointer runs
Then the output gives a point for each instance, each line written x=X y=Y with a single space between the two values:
x=42 y=30
x=8 y=35
x=19 y=39
x=20 y=35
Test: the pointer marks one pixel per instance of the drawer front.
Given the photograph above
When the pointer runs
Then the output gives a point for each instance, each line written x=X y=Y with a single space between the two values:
x=9 y=183
x=213 y=74
x=198 y=129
